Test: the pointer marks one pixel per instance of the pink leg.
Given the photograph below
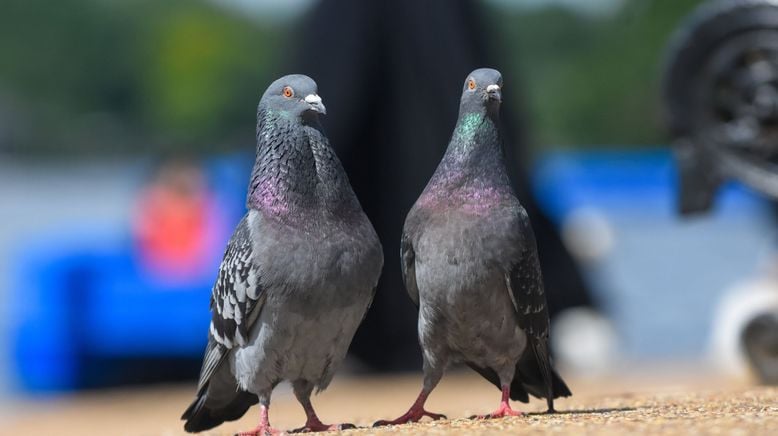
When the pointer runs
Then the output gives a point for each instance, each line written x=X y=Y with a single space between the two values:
x=313 y=424
x=263 y=429
x=414 y=414
x=504 y=409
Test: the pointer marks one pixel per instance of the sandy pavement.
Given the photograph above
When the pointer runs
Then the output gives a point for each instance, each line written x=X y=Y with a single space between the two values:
x=661 y=401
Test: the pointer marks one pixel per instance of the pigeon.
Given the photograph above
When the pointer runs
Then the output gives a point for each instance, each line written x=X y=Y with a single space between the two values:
x=298 y=275
x=470 y=264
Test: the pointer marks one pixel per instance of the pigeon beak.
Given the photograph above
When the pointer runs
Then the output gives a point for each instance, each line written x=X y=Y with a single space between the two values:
x=493 y=91
x=314 y=101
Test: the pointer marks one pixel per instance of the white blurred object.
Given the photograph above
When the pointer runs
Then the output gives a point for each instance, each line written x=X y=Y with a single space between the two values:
x=737 y=307
x=584 y=341
x=588 y=234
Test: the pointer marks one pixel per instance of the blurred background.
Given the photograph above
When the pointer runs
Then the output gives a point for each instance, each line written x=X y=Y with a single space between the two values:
x=127 y=138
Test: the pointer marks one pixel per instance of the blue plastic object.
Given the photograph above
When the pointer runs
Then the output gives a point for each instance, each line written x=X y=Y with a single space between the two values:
x=79 y=293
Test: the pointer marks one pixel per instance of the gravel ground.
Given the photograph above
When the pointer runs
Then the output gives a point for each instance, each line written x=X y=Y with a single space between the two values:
x=685 y=403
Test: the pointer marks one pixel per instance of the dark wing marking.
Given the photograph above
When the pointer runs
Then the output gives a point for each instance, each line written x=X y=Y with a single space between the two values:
x=525 y=285
x=236 y=291
x=408 y=262
x=235 y=300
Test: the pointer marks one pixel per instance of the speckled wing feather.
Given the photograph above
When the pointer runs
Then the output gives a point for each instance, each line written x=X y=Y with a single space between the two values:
x=235 y=301
x=525 y=284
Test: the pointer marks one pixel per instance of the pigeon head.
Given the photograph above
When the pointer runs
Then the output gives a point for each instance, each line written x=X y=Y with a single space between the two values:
x=294 y=95
x=482 y=91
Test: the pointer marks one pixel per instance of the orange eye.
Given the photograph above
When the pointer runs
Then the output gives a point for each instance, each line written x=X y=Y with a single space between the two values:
x=471 y=84
x=288 y=92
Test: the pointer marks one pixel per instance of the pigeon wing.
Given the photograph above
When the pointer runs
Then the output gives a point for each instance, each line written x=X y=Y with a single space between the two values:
x=408 y=263
x=525 y=285
x=236 y=300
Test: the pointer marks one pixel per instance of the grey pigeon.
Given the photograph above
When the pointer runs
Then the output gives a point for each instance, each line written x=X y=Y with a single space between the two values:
x=470 y=264
x=298 y=275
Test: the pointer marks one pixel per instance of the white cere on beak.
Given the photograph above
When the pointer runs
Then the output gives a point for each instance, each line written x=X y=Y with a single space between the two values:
x=313 y=99
x=492 y=88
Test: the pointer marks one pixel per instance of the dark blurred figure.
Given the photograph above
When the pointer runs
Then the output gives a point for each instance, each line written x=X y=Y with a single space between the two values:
x=391 y=73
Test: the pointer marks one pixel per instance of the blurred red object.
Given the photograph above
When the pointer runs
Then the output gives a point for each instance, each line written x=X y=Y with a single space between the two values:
x=175 y=226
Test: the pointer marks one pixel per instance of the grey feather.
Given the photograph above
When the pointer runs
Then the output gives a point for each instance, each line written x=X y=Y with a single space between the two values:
x=237 y=291
x=299 y=273
x=408 y=264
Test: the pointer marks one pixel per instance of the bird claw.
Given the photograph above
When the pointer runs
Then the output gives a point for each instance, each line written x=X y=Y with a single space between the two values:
x=410 y=416
x=260 y=431
x=434 y=416
x=316 y=427
x=502 y=412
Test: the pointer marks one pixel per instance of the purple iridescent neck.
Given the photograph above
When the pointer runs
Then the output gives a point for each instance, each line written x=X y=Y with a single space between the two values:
x=470 y=194
x=472 y=173
x=297 y=169
x=284 y=174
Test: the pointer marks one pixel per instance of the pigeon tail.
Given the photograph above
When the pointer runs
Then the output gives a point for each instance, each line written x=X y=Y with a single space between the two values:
x=200 y=416
x=536 y=376
x=529 y=378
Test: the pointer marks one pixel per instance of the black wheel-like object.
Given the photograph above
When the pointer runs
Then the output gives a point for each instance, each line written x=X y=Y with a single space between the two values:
x=720 y=90
x=760 y=343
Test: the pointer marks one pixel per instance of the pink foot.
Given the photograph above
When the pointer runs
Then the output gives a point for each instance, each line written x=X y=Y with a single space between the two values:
x=262 y=430
x=314 y=425
x=504 y=409
x=501 y=412
x=413 y=415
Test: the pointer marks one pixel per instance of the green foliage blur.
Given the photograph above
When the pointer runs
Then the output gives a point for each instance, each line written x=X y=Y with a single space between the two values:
x=104 y=76
x=99 y=76
x=594 y=81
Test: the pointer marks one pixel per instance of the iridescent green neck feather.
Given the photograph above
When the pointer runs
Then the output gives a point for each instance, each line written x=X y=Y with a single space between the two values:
x=467 y=127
